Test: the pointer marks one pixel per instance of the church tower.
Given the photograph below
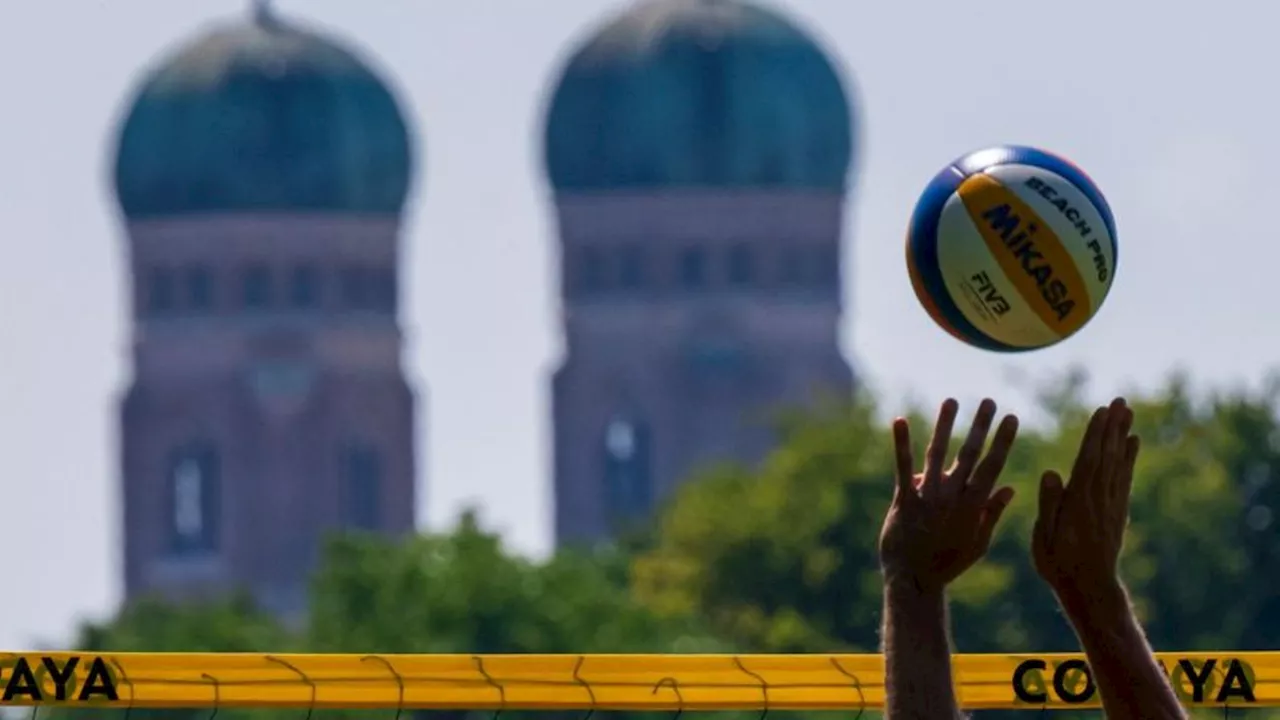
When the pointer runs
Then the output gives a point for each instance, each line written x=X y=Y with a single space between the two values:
x=699 y=152
x=262 y=170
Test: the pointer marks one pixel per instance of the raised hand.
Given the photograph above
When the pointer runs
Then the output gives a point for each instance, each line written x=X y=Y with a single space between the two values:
x=1076 y=548
x=940 y=522
x=1080 y=528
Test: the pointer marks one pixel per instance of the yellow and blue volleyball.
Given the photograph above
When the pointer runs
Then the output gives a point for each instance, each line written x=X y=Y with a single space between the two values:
x=1011 y=249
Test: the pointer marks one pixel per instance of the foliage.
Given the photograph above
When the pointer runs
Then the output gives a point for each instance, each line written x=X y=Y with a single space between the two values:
x=463 y=593
x=152 y=625
x=460 y=592
x=781 y=557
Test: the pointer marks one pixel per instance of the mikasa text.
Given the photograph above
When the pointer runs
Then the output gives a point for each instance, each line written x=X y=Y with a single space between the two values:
x=1072 y=215
x=1019 y=237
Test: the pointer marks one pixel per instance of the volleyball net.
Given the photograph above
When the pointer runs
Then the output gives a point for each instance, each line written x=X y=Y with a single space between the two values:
x=589 y=682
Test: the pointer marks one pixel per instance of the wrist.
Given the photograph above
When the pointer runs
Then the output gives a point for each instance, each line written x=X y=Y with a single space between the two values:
x=907 y=589
x=916 y=611
x=1100 y=602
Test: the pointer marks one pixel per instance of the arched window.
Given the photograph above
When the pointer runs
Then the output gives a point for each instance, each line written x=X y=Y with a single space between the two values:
x=362 y=487
x=631 y=267
x=193 y=500
x=159 y=291
x=693 y=268
x=592 y=271
x=628 y=475
x=742 y=271
x=355 y=288
x=257 y=287
x=304 y=288
x=385 y=289
x=791 y=267
x=199 y=288
x=827 y=260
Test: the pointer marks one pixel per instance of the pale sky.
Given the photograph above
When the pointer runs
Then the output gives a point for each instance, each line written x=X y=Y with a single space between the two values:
x=1170 y=107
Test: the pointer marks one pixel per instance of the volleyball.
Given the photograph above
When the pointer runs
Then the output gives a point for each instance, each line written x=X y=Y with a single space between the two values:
x=1011 y=249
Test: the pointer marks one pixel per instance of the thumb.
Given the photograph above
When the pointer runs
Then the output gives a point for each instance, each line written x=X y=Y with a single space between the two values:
x=991 y=513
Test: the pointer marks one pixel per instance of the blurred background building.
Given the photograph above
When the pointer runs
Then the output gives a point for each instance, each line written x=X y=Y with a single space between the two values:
x=699 y=151
x=262 y=169
x=700 y=154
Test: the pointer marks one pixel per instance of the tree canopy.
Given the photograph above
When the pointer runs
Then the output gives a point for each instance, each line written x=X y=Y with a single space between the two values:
x=782 y=557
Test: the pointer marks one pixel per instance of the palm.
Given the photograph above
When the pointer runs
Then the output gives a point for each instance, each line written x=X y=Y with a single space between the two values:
x=1080 y=526
x=940 y=523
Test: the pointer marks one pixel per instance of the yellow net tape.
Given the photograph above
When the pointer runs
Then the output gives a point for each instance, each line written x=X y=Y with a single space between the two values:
x=590 y=682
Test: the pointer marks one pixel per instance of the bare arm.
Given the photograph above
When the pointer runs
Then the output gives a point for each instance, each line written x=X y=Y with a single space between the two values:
x=1130 y=681
x=938 y=525
x=917 y=655
x=1076 y=545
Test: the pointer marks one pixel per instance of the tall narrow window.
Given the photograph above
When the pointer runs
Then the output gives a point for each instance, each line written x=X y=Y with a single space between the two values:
x=631 y=269
x=199 y=288
x=159 y=290
x=628 y=476
x=827 y=261
x=693 y=268
x=741 y=269
x=791 y=267
x=257 y=286
x=193 y=501
x=304 y=291
x=592 y=267
x=384 y=289
x=362 y=488
x=355 y=288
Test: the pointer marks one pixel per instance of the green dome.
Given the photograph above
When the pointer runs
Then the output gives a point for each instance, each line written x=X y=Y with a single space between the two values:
x=699 y=93
x=262 y=116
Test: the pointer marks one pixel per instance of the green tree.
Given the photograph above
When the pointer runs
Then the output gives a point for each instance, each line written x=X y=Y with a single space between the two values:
x=1246 y=442
x=152 y=625
x=1191 y=558
x=463 y=593
x=460 y=592
x=783 y=558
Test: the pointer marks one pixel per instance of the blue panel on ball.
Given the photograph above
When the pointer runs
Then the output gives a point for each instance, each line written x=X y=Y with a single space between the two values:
x=1023 y=155
x=923 y=236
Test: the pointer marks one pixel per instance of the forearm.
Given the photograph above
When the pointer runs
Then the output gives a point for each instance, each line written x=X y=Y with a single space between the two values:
x=917 y=653
x=1130 y=681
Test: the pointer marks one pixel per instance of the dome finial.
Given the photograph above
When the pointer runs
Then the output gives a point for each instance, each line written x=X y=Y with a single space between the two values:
x=262 y=12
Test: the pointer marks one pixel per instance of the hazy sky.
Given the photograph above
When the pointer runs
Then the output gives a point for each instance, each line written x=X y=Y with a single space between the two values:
x=1171 y=110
